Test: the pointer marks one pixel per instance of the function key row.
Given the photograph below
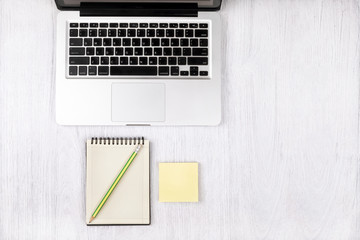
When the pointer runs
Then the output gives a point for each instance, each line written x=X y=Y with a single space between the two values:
x=141 y=25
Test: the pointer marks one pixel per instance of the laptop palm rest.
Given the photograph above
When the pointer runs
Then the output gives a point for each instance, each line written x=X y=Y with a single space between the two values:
x=138 y=102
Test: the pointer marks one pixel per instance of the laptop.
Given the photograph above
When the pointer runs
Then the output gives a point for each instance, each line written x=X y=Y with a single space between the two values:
x=138 y=62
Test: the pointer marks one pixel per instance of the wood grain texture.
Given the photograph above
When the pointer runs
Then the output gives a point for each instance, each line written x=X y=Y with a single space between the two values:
x=283 y=164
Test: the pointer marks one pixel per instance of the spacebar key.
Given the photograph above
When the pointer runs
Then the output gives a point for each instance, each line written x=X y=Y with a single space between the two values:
x=135 y=71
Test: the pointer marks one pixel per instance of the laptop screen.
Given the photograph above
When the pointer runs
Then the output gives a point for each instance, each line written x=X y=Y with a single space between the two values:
x=201 y=3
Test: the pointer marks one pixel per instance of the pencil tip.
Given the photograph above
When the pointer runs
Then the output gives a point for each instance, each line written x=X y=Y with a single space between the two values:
x=92 y=218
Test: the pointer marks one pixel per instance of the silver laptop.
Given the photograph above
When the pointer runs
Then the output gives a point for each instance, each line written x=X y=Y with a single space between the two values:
x=138 y=62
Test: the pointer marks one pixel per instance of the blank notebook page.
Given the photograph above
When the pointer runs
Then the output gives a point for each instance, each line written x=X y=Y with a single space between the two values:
x=129 y=203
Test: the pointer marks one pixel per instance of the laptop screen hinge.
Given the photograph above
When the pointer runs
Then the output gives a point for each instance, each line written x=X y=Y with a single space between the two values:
x=97 y=9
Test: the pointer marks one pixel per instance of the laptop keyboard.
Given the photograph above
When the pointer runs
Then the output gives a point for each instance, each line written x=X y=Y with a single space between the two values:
x=129 y=49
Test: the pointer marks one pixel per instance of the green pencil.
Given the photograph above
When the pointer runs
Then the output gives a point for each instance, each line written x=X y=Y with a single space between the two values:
x=112 y=187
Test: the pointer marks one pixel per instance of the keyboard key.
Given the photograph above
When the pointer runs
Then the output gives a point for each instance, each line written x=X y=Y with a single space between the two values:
x=83 y=33
x=114 y=25
x=126 y=42
x=144 y=25
x=82 y=70
x=121 y=32
x=174 y=42
x=124 y=60
x=184 y=42
x=90 y=51
x=145 y=42
x=164 y=71
x=164 y=25
x=99 y=51
x=193 y=25
x=84 y=25
x=134 y=25
x=129 y=51
x=103 y=70
x=179 y=33
x=74 y=25
x=186 y=52
x=177 y=51
x=107 y=41
x=189 y=33
x=136 y=42
x=119 y=51
x=133 y=61
x=170 y=33
x=184 y=25
x=92 y=32
x=124 y=25
x=104 y=25
x=197 y=60
x=143 y=60
x=79 y=60
x=194 y=42
x=133 y=70
x=138 y=51
x=148 y=51
x=131 y=33
x=94 y=25
x=160 y=33
x=203 y=73
x=174 y=25
x=116 y=41
x=150 y=33
x=95 y=61
x=97 y=42
x=74 y=32
x=77 y=51
x=167 y=51
x=102 y=32
x=172 y=61
x=152 y=61
x=157 y=51
x=203 y=42
x=154 y=25
x=76 y=42
x=112 y=32
x=184 y=73
x=162 y=61
x=87 y=42
x=73 y=70
x=165 y=42
x=174 y=71
x=155 y=42
x=109 y=51
x=203 y=25
x=200 y=52
x=104 y=60
x=201 y=33
x=114 y=60
x=194 y=71
x=181 y=60
x=92 y=70
x=140 y=33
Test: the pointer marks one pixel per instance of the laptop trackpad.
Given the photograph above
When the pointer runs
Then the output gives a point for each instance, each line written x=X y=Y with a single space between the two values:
x=137 y=102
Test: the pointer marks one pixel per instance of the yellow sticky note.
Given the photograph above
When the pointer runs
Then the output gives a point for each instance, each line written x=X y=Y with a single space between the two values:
x=178 y=182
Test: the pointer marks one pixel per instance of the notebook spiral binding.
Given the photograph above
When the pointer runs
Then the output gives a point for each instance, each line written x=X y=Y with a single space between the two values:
x=118 y=141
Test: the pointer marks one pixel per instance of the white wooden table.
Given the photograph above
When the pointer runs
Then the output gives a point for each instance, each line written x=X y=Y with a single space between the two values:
x=283 y=164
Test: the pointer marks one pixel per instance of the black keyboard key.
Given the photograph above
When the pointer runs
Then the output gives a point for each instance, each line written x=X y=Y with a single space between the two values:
x=167 y=51
x=197 y=60
x=109 y=51
x=155 y=42
x=186 y=52
x=170 y=33
x=133 y=70
x=184 y=73
x=184 y=42
x=99 y=51
x=152 y=61
x=164 y=25
x=143 y=60
x=74 y=25
x=177 y=51
x=107 y=42
x=97 y=42
x=104 y=25
x=84 y=25
x=200 y=52
x=104 y=60
x=77 y=51
x=181 y=60
x=133 y=61
x=134 y=25
x=92 y=32
x=144 y=25
x=138 y=51
x=126 y=42
x=201 y=33
x=203 y=42
x=160 y=33
x=88 y=42
x=82 y=70
x=194 y=71
x=162 y=61
x=124 y=25
x=179 y=33
x=79 y=60
x=94 y=25
x=189 y=33
x=174 y=25
x=174 y=42
x=73 y=70
x=164 y=71
x=150 y=33
x=114 y=25
x=92 y=70
x=103 y=70
x=83 y=33
x=165 y=42
x=122 y=33
x=131 y=33
x=203 y=73
x=140 y=33
x=203 y=25
x=74 y=32
x=119 y=51
x=90 y=51
x=95 y=61
x=114 y=60
x=154 y=25
x=194 y=42
x=172 y=61
x=174 y=71
x=116 y=41
x=184 y=25
x=112 y=32
x=124 y=60
x=157 y=51
x=194 y=25
x=145 y=42
x=129 y=51
x=102 y=32
x=148 y=51
x=136 y=42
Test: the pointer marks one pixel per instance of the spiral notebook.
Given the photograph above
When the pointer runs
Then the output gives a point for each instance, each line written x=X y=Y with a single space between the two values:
x=129 y=203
